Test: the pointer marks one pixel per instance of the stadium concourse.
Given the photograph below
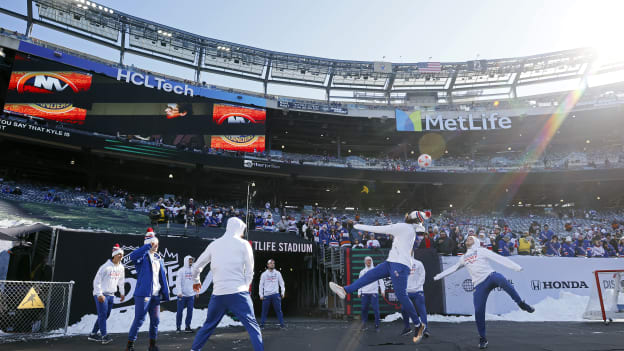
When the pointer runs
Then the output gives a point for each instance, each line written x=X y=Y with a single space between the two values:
x=315 y=334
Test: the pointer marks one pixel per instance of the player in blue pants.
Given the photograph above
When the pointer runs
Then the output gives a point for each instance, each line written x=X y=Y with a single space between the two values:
x=415 y=292
x=397 y=266
x=485 y=279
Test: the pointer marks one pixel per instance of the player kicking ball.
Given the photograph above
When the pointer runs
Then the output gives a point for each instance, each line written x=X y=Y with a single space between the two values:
x=485 y=279
x=397 y=266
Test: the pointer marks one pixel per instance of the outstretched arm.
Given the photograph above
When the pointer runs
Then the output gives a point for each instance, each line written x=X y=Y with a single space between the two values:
x=502 y=260
x=393 y=229
x=450 y=270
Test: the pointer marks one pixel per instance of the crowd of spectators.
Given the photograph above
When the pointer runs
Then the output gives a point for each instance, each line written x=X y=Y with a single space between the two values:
x=586 y=233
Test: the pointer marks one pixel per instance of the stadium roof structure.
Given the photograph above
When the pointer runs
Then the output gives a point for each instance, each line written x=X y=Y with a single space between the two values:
x=371 y=81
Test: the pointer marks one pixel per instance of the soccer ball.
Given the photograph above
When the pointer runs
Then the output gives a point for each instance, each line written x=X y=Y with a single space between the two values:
x=424 y=160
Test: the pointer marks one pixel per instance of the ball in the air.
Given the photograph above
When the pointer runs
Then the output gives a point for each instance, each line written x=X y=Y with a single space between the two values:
x=424 y=160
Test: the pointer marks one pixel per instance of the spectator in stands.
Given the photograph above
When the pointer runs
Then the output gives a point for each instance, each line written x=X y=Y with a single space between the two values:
x=282 y=225
x=460 y=248
x=597 y=250
x=484 y=240
x=372 y=243
x=268 y=225
x=191 y=205
x=567 y=248
x=612 y=240
x=427 y=241
x=292 y=225
x=444 y=245
x=525 y=244
x=17 y=191
x=621 y=247
x=91 y=201
x=610 y=251
x=553 y=248
x=357 y=244
x=581 y=246
x=259 y=222
x=546 y=235
x=48 y=197
x=505 y=246
x=334 y=238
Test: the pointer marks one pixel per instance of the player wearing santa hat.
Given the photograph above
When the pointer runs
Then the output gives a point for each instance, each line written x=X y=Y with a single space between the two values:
x=109 y=277
x=397 y=266
x=151 y=289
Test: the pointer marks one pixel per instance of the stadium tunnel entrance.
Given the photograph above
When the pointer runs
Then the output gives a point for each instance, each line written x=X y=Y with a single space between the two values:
x=298 y=272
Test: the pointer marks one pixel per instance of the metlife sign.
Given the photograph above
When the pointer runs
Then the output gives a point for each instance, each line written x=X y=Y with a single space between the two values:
x=417 y=121
x=542 y=277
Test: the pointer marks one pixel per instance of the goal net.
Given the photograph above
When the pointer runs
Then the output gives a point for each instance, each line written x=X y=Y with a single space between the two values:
x=607 y=298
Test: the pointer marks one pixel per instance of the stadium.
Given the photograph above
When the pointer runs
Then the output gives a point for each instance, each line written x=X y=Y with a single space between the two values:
x=515 y=160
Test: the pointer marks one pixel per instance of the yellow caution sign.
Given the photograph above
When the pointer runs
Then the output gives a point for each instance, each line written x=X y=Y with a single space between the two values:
x=31 y=300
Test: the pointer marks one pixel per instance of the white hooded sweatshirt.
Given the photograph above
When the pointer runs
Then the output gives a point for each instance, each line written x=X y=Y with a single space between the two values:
x=476 y=262
x=231 y=261
x=416 y=279
x=403 y=242
x=184 y=279
x=271 y=282
x=108 y=279
x=372 y=288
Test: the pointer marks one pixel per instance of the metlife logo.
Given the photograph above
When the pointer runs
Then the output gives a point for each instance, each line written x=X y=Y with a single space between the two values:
x=570 y=284
x=414 y=122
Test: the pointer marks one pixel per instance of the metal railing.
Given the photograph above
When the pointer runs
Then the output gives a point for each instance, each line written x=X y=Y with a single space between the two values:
x=30 y=308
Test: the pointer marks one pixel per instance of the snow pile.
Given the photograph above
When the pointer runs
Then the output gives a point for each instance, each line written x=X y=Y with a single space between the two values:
x=567 y=308
x=8 y=223
x=121 y=319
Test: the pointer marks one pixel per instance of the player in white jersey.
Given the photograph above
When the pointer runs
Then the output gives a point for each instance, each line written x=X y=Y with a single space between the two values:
x=485 y=279
x=270 y=283
x=397 y=266
x=369 y=294
x=416 y=294
x=109 y=277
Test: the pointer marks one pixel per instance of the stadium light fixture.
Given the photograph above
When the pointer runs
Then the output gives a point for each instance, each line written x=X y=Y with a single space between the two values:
x=597 y=197
x=509 y=148
x=412 y=152
x=398 y=191
x=110 y=11
x=587 y=141
x=561 y=200
x=328 y=190
x=451 y=205
x=170 y=175
x=316 y=204
x=253 y=183
x=349 y=151
x=283 y=146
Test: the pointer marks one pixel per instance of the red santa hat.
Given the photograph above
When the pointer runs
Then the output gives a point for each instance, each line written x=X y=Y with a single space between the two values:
x=117 y=250
x=420 y=215
x=150 y=236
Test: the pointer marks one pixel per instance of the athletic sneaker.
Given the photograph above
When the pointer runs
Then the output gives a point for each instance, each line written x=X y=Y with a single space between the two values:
x=525 y=306
x=106 y=339
x=407 y=331
x=282 y=326
x=418 y=333
x=188 y=330
x=94 y=337
x=363 y=327
x=426 y=333
x=483 y=343
x=178 y=331
x=338 y=290
x=377 y=330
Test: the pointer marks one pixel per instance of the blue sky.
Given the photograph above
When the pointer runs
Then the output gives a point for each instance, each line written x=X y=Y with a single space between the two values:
x=402 y=31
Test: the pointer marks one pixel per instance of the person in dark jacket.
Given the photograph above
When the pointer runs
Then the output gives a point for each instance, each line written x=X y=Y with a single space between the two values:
x=444 y=245
x=151 y=289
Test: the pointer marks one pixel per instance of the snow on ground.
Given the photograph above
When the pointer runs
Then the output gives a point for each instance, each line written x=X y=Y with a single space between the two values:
x=14 y=222
x=121 y=319
x=567 y=308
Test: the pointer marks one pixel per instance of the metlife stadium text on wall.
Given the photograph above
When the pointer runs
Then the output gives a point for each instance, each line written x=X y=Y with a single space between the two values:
x=470 y=122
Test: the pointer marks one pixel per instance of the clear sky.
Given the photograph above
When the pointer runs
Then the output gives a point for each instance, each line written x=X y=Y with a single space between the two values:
x=400 y=31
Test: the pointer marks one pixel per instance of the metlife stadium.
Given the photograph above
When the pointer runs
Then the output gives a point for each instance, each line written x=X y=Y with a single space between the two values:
x=516 y=143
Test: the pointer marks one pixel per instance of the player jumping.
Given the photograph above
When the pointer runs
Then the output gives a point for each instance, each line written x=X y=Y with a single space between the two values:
x=485 y=279
x=397 y=266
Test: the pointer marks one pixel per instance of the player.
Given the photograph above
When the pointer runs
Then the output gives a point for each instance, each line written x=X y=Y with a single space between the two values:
x=397 y=266
x=151 y=289
x=416 y=294
x=186 y=294
x=485 y=279
x=232 y=265
x=368 y=294
x=270 y=283
x=109 y=277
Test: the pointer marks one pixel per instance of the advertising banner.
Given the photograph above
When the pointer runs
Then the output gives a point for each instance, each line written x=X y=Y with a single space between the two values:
x=541 y=277
x=246 y=143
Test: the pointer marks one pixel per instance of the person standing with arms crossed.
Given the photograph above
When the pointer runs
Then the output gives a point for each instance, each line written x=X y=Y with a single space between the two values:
x=270 y=283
